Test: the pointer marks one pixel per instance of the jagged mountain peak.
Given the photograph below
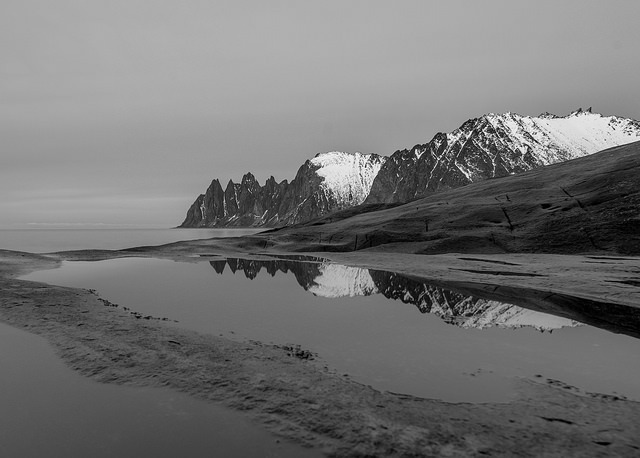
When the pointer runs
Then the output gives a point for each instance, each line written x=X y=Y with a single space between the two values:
x=491 y=145
x=547 y=115
x=544 y=115
x=580 y=111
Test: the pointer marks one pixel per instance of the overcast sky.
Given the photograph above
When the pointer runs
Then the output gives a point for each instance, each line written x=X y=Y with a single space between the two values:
x=123 y=111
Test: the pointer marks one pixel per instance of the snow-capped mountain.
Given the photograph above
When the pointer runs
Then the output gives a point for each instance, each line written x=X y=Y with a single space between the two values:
x=492 y=145
x=325 y=183
x=496 y=145
x=347 y=177
x=329 y=280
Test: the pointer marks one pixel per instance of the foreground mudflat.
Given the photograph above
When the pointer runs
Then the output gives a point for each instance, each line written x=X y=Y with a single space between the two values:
x=300 y=399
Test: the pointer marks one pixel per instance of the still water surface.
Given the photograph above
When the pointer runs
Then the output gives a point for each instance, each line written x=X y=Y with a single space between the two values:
x=380 y=328
x=50 y=411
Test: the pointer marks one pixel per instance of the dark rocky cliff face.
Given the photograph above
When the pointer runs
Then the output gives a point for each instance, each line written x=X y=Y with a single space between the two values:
x=247 y=203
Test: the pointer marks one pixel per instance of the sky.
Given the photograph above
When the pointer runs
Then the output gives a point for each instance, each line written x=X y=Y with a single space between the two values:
x=120 y=112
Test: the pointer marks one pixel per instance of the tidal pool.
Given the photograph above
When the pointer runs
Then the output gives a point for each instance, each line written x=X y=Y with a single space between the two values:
x=50 y=411
x=380 y=328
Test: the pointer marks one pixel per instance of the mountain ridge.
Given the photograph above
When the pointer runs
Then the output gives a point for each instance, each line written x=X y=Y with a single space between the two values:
x=496 y=145
x=490 y=146
x=325 y=183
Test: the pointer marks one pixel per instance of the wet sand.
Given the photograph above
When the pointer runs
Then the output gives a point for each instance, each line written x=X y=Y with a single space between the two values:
x=302 y=400
x=73 y=416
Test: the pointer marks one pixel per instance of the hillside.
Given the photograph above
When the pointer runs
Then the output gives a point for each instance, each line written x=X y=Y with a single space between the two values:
x=586 y=205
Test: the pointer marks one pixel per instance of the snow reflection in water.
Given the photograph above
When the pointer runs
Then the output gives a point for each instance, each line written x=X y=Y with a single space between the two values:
x=331 y=280
x=353 y=327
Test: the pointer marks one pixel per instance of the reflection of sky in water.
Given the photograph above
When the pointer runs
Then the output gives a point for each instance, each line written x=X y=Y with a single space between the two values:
x=355 y=329
x=50 y=411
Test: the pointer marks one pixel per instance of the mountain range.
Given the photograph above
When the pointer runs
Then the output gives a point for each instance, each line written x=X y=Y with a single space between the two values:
x=493 y=145
x=328 y=182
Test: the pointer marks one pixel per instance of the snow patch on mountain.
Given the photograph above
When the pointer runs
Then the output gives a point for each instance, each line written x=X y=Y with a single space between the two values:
x=342 y=281
x=347 y=176
x=554 y=139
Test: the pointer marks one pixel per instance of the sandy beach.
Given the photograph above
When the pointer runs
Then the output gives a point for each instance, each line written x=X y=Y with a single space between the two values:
x=304 y=401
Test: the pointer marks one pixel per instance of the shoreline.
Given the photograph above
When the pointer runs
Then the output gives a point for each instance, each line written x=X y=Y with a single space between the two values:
x=300 y=400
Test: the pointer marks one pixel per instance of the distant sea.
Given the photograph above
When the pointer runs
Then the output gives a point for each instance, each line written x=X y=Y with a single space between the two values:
x=48 y=240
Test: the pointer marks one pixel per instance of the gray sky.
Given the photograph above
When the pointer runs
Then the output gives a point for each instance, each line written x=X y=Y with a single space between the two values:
x=123 y=111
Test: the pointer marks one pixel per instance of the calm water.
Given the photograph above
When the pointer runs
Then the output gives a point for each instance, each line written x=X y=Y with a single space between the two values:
x=50 y=411
x=51 y=240
x=380 y=328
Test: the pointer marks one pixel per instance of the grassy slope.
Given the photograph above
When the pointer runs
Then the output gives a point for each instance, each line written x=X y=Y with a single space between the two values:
x=587 y=205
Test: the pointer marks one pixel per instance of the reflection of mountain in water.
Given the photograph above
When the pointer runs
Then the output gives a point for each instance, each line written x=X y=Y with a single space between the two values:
x=304 y=272
x=321 y=279
x=334 y=280
x=461 y=309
